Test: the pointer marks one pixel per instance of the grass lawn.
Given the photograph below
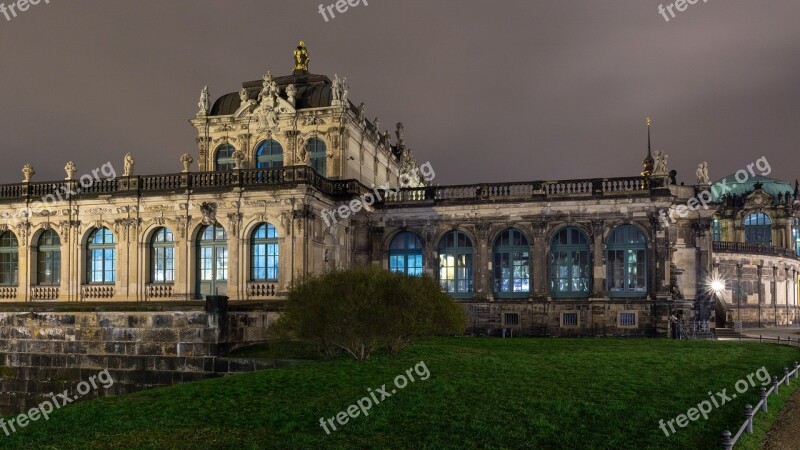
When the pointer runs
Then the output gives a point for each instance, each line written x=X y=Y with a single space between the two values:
x=482 y=393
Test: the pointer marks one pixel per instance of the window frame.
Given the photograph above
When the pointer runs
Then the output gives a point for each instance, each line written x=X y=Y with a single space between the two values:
x=627 y=249
x=265 y=156
x=405 y=252
x=48 y=258
x=755 y=233
x=317 y=151
x=510 y=254
x=463 y=267
x=162 y=249
x=716 y=230
x=570 y=249
x=270 y=257
x=105 y=249
x=9 y=259
x=224 y=163
x=635 y=315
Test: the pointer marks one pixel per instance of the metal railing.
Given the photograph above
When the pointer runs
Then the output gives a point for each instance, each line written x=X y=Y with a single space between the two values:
x=750 y=412
x=757 y=249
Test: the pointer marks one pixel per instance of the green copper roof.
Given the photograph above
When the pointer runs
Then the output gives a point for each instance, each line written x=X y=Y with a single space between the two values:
x=769 y=185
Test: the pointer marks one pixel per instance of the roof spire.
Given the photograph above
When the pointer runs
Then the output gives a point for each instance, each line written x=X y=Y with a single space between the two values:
x=648 y=161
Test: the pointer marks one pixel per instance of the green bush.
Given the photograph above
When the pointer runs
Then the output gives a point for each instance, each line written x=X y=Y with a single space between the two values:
x=362 y=310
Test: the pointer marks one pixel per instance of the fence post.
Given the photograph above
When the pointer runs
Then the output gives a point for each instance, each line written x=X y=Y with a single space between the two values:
x=760 y=339
x=786 y=375
x=779 y=340
x=727 y=443
x=764 y=399
x=796 y=369
x=775 y=384
x=748 y=417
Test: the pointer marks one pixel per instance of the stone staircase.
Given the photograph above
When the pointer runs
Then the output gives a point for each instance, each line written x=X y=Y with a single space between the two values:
x=727 y=334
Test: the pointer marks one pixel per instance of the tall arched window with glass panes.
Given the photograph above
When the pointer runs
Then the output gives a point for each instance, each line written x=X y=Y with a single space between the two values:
x=9 y=259
x=269 y=155
x=570 y=265
x=317 y=153
x=405 y=254
x=626 y=260
x=456 y=264
x=758 y=229
x=265 y=253
x=48 y=259
x=716 y=230
x=223 y=158
x=162 y=257
x=512 y=265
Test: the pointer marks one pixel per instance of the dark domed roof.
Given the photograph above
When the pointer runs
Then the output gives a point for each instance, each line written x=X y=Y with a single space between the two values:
x=313 y=91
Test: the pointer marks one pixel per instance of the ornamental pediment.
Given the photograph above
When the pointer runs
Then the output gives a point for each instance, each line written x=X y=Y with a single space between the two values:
x=758 y=199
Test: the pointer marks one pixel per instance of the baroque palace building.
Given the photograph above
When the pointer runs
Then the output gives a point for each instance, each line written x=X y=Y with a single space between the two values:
x=294 y=180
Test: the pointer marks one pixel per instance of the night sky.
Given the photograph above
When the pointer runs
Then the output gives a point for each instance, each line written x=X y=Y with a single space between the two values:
x=489 y=91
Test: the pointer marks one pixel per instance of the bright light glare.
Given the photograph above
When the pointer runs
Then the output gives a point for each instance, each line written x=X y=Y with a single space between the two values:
x=717 y=285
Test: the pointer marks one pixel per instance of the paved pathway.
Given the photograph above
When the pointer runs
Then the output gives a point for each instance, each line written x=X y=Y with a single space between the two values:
x=773 y=333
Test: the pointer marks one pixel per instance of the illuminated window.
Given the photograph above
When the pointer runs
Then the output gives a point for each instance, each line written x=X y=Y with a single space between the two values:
x=405 y=254
x=101 y=257
x=716 y=230
x=570 y=268
x=162 y=257
x=512 y=265
x=758 y=229
x=456 y=264
x=626 y=259
x=264 y=253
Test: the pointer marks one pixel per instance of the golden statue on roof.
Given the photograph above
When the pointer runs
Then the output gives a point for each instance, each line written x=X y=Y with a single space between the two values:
x=301 y=58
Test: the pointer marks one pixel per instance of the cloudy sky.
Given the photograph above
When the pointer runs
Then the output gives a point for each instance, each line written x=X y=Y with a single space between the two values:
x=503 y=90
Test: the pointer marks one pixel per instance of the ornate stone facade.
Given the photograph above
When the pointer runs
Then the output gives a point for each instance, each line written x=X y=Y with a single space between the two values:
x=593 y=257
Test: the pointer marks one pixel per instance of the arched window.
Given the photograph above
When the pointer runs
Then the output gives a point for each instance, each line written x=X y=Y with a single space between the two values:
x=162 y=257
x=9 y=259
x=758 y=229
x=716 y=230
x=626 y=259
x=269 y=155
x=317 y=152
x=48 y=259
x=224 y=157
x=405 y=254
x=512 y=264
x=212 y=267
x=264 y=253
x=101 y=257
x=796 y=235
x=456 y=264
x=570 y=267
